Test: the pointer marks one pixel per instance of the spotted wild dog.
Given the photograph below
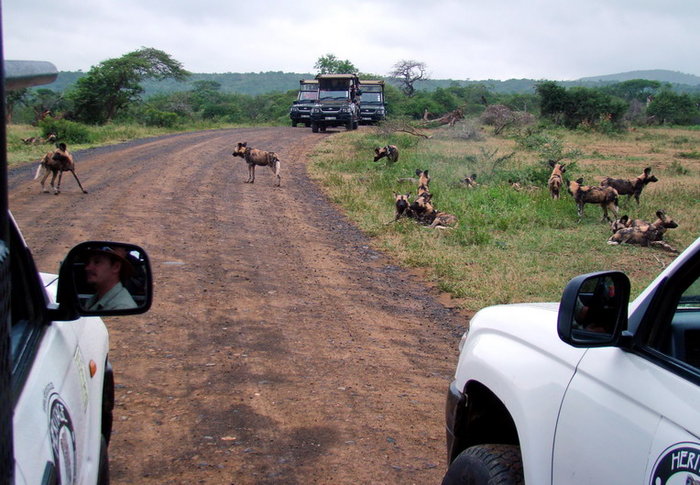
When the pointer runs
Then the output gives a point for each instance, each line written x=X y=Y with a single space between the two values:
x=421 y=208
x=469 y=181
x=402 y=204
x=630 y=188
x=391 y=152
x=606 y=197
x=56 y=162
x=423 y=181
x=646 y=235
x=556 y=179
x=443 y=220
x=254 y=156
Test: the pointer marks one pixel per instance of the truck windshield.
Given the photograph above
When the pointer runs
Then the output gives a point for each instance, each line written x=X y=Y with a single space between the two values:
x=333 y=95
x=371 y=97
x=308 y=95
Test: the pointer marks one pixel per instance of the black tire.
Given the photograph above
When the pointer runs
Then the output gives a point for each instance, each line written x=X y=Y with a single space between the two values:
x=103 y=470
x=323 y=128
x=314 y=127
x=294 y=124
x=486 y=465
x=349 y=125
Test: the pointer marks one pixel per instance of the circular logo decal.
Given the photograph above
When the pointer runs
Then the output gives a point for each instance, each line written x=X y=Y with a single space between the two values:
x=678 y=465
x=62 y=440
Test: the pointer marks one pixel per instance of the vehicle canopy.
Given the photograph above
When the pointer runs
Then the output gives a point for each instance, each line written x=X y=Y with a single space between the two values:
x=308 y=90
x=338 y=86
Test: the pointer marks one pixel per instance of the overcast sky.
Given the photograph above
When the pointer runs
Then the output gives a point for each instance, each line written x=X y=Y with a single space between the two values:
x=467 y=39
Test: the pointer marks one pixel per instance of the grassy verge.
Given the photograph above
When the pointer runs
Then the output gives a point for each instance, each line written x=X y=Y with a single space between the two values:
x=19 y=152
x=513 y=246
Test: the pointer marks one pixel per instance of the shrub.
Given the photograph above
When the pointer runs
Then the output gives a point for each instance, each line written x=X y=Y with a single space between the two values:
x=66 y=131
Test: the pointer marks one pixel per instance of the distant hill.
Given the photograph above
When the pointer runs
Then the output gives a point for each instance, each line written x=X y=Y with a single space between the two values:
x=673 y=77
x=251 y=83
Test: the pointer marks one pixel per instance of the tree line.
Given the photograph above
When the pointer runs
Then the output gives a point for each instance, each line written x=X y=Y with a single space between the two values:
x=112 y=91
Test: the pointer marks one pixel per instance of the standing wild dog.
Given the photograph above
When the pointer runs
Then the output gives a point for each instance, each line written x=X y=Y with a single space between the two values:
x=606 y=197
x=556 y=179
x=253 y=157
x=391 y=152
x=646 y=234
x=630 y=187
x=56 y=162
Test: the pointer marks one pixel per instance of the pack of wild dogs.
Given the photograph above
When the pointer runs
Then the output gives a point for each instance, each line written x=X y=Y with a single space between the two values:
x=625 y=230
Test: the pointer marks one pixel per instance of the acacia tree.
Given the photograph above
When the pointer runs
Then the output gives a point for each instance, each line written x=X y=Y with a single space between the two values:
x=408 y=72
x=330 y=64
x=113 y=85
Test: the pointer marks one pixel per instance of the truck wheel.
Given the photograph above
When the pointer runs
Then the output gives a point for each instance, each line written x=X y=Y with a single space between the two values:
x=349 y=125
x=486 y=465
x=103 y=467
x=314 y=127
x=294 y=124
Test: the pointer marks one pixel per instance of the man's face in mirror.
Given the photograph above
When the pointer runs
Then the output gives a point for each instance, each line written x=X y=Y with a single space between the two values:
x=102 y=271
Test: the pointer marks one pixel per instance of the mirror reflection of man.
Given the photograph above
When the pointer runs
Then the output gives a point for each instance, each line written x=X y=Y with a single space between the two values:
x=105 y=269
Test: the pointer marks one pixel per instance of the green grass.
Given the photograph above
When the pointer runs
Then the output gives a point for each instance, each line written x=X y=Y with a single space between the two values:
x=18 y=152
x=510 y=246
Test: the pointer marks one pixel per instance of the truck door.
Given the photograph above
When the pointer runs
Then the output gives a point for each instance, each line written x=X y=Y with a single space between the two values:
x=631 y=416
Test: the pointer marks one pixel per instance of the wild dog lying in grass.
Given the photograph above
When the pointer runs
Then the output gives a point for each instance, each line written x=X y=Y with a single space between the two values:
x=402 y=204
x=253 y=157
x=391 y=152
x=606 y=197
x=556 y=179
x=646 y=234
x=624 y=222
x=56 y=162
x=443 y=220
x=469 y=181
x=630 y=187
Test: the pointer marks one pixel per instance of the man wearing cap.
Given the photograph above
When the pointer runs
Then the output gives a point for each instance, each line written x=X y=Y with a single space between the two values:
x=105 y=268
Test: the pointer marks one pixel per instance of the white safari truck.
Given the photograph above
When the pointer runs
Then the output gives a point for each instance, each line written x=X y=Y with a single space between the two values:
x=591 y=390
x=56 y=381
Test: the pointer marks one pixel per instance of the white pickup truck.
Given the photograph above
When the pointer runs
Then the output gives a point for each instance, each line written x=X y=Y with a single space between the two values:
x=593 y=389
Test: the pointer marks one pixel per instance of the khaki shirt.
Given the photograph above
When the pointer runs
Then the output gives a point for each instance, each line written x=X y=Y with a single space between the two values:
x=117 y=298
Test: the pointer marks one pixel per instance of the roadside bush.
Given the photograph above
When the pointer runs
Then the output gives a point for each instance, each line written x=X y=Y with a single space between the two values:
x=66 y=131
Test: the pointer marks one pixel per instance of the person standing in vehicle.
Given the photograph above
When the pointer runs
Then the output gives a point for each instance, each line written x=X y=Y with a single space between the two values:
x=105 y=269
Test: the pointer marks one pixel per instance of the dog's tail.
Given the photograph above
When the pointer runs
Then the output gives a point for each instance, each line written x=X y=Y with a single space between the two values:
x=39 y=171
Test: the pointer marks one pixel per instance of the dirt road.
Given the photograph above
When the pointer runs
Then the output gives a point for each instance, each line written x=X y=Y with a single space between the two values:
x=280 y=347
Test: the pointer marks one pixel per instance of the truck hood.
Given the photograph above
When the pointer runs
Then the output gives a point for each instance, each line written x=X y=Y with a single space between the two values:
x=534 y=325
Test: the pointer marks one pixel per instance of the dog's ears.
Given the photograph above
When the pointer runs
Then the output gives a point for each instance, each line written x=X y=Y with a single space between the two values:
x=579 y=180
x=661 y=214
x=624 y=219
x=563 y=169
x=647 y=171
x=376 y=150
x=552 y=163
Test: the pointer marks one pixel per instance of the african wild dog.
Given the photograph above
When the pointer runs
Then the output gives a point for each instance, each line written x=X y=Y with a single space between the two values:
x=254 y=157
x=646 y=234
x=423 y=181
x=391 y=152
x=630 y=187
x=469 y=181
x=402 y=203
x=556 y=179
x=56 y=162
x=606 y=197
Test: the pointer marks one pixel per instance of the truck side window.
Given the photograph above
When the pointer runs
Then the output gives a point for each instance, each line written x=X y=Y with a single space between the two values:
x=679 y=338
x=26 y=316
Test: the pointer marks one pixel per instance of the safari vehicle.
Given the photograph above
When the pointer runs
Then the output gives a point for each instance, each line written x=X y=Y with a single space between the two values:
x=372 y=107
x=338 y=102
x=300 y=112
x=593 y=389
x=56 y=380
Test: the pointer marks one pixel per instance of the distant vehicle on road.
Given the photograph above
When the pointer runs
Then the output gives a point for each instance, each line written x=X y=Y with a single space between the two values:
x=338 y=102
x=372 y=106
x=300 y=112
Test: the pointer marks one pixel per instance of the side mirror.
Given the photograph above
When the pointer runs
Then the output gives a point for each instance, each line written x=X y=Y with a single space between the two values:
x=105 y=278
x=593 y=309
